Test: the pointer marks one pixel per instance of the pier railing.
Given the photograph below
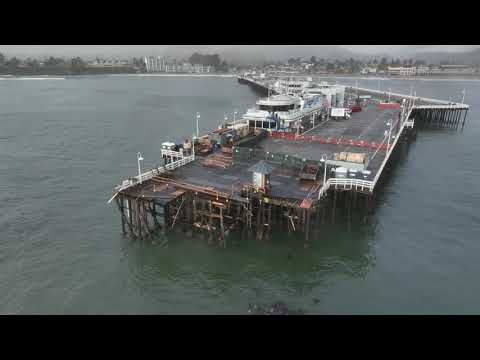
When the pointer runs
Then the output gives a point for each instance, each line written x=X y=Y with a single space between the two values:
x=431 y=103
x=346 y=184
x=154 y=172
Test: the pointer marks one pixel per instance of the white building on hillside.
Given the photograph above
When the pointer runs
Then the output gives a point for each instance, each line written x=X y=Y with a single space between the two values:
x=402 y=71
x=154 y=63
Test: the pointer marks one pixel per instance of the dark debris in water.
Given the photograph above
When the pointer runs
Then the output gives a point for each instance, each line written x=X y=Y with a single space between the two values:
x=278 y=308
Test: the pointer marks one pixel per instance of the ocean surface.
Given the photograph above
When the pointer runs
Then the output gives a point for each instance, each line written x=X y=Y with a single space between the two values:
x=66 y=142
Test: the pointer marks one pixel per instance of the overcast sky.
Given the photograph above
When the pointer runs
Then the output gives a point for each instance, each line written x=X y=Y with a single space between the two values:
x=138 y=50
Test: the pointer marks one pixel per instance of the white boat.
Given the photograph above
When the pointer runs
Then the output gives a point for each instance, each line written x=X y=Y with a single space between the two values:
x=283 y=112
x=298 y=101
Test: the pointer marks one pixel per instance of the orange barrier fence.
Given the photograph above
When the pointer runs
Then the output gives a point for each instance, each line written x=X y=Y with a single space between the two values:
x=329 y=140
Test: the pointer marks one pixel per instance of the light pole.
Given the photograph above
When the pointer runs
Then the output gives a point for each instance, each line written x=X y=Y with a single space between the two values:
x=389 y=134
x=193 y=146
x=324 y=159
x=197 y=117
x=139 y=158
x=234 y=113
x=463 y=97
x=225 y=119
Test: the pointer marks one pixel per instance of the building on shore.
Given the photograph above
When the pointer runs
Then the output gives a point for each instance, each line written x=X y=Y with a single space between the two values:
x=103 y=63
x=402 y=71
x=455 y=69
x=154 y=64
x=199 y=68
x=431 y=70
x=171 y=68
x=368 y=71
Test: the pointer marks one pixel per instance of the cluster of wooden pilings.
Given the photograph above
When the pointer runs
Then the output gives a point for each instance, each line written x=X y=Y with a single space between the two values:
x=441 y=117
x=254 y=214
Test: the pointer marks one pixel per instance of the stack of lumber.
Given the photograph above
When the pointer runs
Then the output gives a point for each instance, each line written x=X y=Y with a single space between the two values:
x=358 y=158
x=218 y=161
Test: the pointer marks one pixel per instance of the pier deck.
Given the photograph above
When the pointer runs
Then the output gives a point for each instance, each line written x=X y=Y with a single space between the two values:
x=284 y=180
x=368 y=125
x=216 y=196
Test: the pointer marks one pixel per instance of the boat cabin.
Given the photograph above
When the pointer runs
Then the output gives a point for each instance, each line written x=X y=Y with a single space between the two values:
x=273 y=112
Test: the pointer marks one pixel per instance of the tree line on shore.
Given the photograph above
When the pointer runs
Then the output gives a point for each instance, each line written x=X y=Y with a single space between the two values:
x=77 y=66
x=51 y=66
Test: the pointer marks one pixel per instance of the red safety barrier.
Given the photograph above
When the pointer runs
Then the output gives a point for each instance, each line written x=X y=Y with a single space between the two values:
x=334 y=141
x=383 y=106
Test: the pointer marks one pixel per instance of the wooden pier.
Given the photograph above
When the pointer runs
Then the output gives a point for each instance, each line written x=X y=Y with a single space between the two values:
x=202 y=198
x=261 y=87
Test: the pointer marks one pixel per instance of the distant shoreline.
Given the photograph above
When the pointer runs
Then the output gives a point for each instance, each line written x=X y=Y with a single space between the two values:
x=383 y=78
x=51 y=76
x=176 y=75
x=314 y=76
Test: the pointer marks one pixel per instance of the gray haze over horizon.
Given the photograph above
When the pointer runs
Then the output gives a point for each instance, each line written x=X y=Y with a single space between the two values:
x=241 y=53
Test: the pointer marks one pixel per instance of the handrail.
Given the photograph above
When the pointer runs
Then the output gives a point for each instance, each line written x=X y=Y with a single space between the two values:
x=150 y=174
x=346 y=182
x=178 y=154
x=447 y=107
x=392 y=146
x=410 y=97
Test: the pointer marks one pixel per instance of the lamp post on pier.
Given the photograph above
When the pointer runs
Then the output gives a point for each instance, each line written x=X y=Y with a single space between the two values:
x=463 y=96
x=234 y=114
x=139 y=158
x=193 y=146
x=324 y=160
x=390 y=123
x=197 y=117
